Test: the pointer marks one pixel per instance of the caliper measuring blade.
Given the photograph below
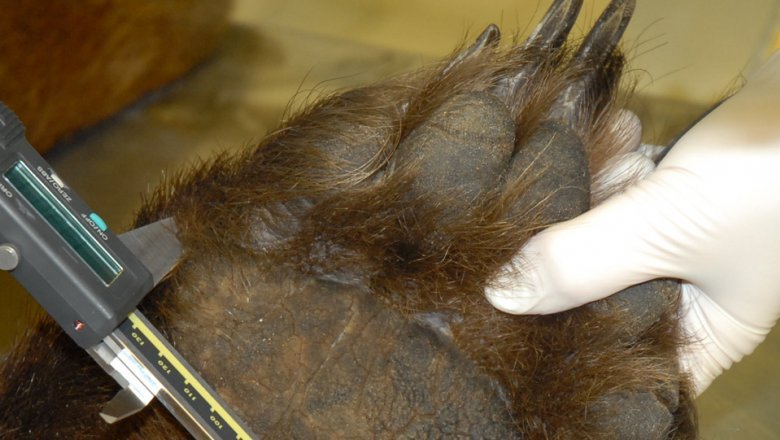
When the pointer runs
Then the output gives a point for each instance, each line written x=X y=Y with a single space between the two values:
x=146 y=365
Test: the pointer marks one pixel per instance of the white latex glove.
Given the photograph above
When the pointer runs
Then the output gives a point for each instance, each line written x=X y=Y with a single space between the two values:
x=709 y=215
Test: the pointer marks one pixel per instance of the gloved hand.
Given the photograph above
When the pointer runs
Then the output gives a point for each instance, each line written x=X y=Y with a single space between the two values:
x=709 y=215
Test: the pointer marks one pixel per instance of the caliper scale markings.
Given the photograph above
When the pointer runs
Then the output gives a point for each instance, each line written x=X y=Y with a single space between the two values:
x=184 y=392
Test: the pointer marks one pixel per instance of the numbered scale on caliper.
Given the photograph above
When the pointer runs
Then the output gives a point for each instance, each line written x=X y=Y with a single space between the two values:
x=90 y=281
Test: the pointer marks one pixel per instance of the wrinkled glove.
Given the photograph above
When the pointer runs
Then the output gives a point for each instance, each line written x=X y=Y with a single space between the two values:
x=708 y=215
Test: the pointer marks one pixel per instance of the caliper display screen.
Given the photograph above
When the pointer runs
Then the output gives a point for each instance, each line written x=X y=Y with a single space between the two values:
x=63 y=222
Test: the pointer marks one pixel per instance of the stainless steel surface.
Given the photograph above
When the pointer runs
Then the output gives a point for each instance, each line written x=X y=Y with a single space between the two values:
x=124 y=404
x=138 y=387
x=156 y=246
x=9 y=257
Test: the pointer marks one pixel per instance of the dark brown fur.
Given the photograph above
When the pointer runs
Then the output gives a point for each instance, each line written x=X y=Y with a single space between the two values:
x=333 y=295
x=65 y=67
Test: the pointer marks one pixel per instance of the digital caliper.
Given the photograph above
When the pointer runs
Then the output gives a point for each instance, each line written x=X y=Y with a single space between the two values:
x=90 y=281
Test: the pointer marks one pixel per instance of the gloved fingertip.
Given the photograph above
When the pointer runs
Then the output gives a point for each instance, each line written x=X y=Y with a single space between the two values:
x=517 y=289
x=516 y=301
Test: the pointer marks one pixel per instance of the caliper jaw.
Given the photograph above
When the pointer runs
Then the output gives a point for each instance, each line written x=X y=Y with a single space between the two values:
x=138 y=386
